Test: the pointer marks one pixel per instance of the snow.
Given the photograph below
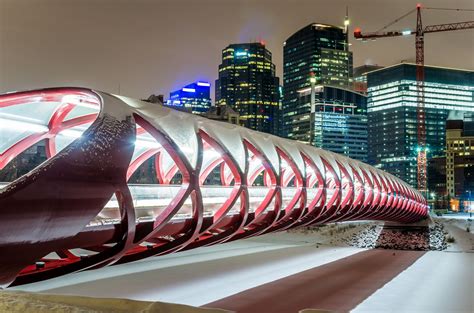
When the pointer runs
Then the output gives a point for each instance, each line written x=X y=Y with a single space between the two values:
x=197 y=277
x=458 y=216
x=21 y=302
x=457 y=228
x=437 y=282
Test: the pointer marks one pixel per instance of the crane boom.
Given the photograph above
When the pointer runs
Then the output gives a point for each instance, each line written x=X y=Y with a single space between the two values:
x=374 y=35
x=448 y=27
x=428 y=29
x=419 y=33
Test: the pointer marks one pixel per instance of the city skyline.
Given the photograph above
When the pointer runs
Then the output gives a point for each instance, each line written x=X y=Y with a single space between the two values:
x=140 y=48
x=146 y=144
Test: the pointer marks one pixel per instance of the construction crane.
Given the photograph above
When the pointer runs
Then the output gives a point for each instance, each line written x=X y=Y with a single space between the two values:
x=419 y=33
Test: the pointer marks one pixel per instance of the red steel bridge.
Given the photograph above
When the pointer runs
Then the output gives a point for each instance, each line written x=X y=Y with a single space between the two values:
x=212 y=182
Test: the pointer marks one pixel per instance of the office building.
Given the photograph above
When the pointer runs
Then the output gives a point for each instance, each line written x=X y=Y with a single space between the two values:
x=392 y=114
x=320 y=51
x=340 y=121
x=247 y=83
x=195 y=98
x=437 y=195
x=360 y=77
x=460 y=162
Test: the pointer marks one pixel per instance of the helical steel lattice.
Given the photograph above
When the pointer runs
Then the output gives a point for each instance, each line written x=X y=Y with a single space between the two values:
x=124 y=180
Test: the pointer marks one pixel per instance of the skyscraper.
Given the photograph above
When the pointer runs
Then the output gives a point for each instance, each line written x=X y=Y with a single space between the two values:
x=340 y=121
x=319 y=51
x=248 y=84
x=460 y=162
x=360 y=77
x=392 y=114
x=195 y=97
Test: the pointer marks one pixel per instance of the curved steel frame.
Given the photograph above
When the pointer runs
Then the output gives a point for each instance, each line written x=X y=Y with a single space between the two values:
x=76 y=211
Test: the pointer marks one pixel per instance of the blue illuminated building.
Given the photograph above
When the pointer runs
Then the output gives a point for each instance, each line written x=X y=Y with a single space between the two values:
x=340 y=121
x=195 y=97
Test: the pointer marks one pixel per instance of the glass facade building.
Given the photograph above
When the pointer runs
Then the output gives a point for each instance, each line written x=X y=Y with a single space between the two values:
x=360 y=77
x=460 y=162
x=247 y=83
x=340 y=123
x=195 y=97
x=319 y=51
x=392 y=106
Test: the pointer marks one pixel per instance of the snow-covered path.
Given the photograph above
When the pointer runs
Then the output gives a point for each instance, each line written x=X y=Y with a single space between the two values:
x=197 y=277
x=437 y=282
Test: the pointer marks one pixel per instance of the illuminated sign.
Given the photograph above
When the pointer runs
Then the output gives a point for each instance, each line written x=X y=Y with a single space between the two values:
x=188 y=90
x=241 y=53
x=204 y=84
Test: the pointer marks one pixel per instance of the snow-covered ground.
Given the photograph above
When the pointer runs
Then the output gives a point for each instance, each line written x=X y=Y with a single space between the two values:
x=30 y=302
x=201 y=276
x=458 y=216
x=436 y=282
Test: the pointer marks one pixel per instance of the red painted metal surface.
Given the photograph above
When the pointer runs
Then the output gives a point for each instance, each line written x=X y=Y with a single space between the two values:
x=77 y=210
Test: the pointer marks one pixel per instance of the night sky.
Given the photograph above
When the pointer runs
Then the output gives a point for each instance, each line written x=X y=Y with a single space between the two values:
x=145 y=47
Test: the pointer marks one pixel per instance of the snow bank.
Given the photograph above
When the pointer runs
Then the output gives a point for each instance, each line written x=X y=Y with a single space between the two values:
x=22 y=302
